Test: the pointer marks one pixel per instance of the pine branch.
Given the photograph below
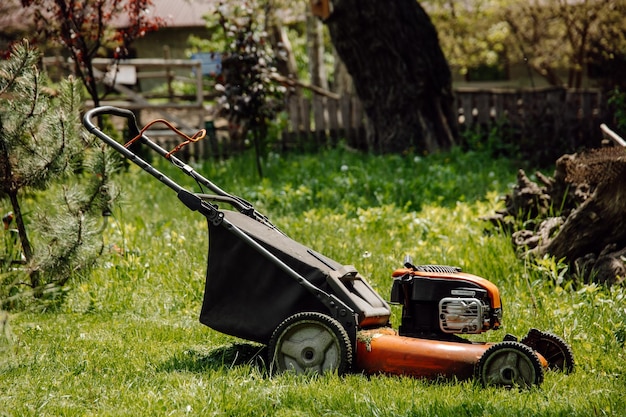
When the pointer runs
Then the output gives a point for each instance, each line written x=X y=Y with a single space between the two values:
x=44 y=134
x=16 y=67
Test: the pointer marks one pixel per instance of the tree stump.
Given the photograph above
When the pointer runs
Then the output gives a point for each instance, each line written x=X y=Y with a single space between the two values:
x=578 y=215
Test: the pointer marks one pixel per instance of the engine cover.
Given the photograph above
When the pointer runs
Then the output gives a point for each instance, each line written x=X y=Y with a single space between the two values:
x=439 y=302
x=463 y=315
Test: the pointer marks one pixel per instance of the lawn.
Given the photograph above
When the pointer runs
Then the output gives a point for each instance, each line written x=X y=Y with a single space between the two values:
x=126 y=340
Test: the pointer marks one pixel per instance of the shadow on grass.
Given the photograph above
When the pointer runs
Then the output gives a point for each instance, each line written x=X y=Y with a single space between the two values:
x=223 y=357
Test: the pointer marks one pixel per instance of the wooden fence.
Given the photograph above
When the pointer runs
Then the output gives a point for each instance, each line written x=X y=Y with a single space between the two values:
x=324 y=121
x=126 y=76
x=541 y=125
x=546 y=121
x=555 y=118
x=537 y=120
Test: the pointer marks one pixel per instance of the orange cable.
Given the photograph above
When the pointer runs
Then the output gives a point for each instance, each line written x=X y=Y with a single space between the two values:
x=188 y=139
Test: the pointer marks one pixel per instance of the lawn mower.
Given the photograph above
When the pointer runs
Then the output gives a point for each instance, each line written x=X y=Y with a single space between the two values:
x=317 y=315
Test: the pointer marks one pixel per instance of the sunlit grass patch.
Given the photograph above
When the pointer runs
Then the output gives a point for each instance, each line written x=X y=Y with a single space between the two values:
x=127 y=340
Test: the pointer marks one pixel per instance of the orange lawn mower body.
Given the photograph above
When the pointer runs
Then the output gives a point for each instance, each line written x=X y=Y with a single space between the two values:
x=385 y=351
x=317 y=315
x=439 y=303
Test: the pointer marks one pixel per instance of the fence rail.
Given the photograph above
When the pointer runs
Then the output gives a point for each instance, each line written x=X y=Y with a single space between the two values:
x=537 y=117
x=542 y=124
x=323 y=121
x=550 y=119
x=554 y=119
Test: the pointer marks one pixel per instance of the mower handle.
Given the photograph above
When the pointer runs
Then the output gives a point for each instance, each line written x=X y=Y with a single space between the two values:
x=113 y=111
x=201 y=202
x=134 y=131
x=237 y=202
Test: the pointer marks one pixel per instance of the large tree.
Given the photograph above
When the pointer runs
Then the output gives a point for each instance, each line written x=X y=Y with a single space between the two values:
x=568 y=35
x=558 y=40
x=392 y=51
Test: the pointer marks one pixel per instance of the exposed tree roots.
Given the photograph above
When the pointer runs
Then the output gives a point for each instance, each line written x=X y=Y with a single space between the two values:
x=578 y=215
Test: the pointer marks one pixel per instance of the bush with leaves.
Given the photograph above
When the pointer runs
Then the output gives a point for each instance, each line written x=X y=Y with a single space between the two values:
x=85 y=30
x=617 y=101
x=251 y=96
x=44 y=154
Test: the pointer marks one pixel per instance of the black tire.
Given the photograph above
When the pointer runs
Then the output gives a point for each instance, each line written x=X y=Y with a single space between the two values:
x=556 y=351
x=509 y=364
x=309 y=343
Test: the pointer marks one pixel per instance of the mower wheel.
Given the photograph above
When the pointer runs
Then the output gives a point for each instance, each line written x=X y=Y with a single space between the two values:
x=509 y=364
x=310 y=342
x=556 y=351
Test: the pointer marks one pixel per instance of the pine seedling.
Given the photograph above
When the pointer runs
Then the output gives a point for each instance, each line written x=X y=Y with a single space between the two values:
x=46 y=156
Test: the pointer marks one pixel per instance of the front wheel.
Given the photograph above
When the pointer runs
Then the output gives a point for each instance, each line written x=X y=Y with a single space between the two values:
x=509 y=364
x=310 y=342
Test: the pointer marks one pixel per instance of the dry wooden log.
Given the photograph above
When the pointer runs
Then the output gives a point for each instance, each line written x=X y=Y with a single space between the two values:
x=608 y=268
x=608 y=133
x=528 y=201
x=597 y=222
x=578 y=215
x=529 y=240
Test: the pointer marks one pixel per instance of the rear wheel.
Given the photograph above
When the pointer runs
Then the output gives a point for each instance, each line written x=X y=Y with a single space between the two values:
x=556 y=351
x=509 y=364
x=310 y=342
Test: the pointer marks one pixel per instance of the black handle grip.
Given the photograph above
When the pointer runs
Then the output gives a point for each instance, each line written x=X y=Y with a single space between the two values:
x=114 y=111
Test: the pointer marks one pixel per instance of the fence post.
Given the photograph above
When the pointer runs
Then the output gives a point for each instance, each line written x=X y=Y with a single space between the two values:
x=346 y=131
x=319 y=114
x=333 y=120
x=305 y=130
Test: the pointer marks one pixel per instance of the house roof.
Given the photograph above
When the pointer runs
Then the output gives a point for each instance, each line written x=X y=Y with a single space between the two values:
x=13 y=17
x=177 y=13
x=190 y=13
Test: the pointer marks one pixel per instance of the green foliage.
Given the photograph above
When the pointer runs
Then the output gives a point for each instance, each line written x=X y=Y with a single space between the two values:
x=494 y=141
x=617 y=101
x=128 y=341
x=341 y=178
x=54 y=183
x=552 y=37
x=472 y=35
x=251 y=97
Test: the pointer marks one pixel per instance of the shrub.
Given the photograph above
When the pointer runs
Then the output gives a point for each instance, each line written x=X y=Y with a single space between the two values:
x=43 y=157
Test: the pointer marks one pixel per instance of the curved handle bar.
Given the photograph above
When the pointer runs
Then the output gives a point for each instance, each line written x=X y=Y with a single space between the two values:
x=114 y=111
x=134 y=131
x=237 y=202
x=132 y=128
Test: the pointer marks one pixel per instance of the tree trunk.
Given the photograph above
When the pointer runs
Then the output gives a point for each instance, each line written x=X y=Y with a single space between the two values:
x=25 y=242
x=596 y=223
x=280 y=41
x=315 y=48
x=392 y=51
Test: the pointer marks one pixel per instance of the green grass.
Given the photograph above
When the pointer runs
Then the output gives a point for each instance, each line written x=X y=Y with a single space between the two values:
x=127 y=341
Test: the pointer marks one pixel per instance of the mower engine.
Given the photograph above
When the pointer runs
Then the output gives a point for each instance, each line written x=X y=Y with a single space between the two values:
x=439 y=302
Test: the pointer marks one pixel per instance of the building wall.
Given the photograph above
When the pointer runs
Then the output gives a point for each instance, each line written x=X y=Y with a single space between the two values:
x=153 y=44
